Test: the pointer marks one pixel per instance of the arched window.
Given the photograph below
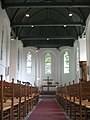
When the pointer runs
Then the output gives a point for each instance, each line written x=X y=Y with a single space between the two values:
x=29 y=62
x=77 y=58
x=66 y=62
x=48 y=63
x=18 y=58
x=1 y=47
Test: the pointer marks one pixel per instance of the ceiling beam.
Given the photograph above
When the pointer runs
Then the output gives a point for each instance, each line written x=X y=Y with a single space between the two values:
x=13 y=33
x=48 y=44
x=45 y=5
x=48 y=25
x=49 y=38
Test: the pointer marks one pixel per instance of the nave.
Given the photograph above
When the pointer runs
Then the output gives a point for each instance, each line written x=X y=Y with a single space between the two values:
x=18 y=100
x=73 y=100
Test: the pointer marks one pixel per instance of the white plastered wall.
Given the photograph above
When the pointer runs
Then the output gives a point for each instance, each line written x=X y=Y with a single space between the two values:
x=88 y=44
x=76 y=73
x=15 y=72
x=82 y=48
x=5 y=35
x=81 y=44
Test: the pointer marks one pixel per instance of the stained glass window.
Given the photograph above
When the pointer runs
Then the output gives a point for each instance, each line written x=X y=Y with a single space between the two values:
x=48 y=63
x=1 y=47
x=29 y=62
x=66 y=62
x=18 y=59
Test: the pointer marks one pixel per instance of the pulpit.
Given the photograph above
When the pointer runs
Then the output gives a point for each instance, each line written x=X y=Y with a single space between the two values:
x=83 y=70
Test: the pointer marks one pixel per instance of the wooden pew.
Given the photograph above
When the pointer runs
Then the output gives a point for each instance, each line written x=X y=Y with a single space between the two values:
x=16 y=100
x=6 y=100
x=35 y=95
x=70 y=98
x=22 y=94
x=82 y=102
x=75 y=104
x=61 y=96
x=29 y=99
x=85 y=96
x=73 y=100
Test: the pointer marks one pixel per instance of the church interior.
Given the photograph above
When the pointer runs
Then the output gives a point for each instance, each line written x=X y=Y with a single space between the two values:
x=44 y=59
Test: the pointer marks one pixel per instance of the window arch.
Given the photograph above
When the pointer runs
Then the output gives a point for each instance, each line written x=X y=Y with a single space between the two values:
x=29 y=62
x=66 y=62
x=48 y=63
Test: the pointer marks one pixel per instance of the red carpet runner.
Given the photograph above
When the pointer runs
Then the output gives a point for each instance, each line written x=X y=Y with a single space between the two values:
x=47 y=109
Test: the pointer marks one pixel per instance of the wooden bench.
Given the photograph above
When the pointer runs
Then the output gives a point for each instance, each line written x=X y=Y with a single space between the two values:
x=35 y=95
x=77 y=99
x=16 y=100
x=61 y=96
x=6 y=100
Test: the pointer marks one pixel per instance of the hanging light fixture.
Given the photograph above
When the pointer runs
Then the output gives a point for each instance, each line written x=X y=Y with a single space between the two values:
x=47 y=38
x=65 y=25
x=12 y=38
x=32 y=26
x=27 y=14
x=37 y=49
x=70 y=12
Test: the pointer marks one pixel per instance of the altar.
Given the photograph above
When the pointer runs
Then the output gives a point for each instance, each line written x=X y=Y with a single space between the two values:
x=48 y=86
x=48 y=89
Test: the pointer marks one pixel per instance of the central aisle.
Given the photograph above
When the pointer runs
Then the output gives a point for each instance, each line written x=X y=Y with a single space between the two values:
x=48 y=109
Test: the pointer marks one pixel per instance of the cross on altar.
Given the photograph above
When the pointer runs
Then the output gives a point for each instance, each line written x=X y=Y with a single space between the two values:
x=49 y=82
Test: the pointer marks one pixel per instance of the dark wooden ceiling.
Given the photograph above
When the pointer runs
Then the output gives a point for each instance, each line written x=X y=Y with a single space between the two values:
x=48 y=18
